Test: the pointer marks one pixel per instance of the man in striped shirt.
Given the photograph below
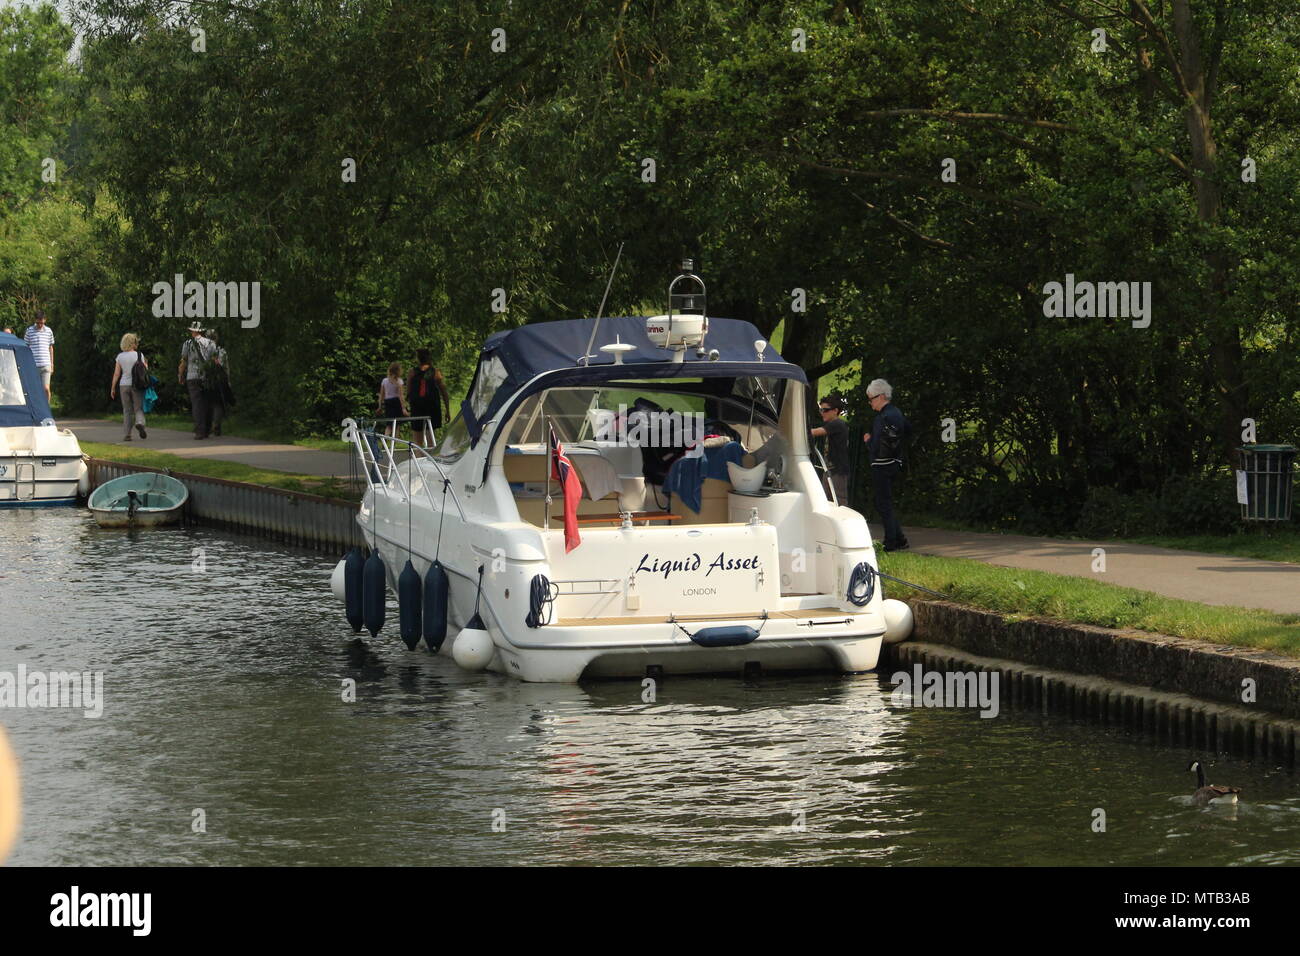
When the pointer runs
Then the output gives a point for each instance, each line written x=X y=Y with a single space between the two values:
x=40 y=339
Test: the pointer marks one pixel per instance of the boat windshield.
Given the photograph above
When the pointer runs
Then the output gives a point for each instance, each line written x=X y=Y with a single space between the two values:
x=11 y=386
x=643 y=414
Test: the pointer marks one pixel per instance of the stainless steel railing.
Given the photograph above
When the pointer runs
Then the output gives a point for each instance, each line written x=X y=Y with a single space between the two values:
x=378 y=453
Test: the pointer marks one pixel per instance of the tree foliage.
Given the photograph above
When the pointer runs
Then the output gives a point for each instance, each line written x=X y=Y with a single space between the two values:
x=796 y=146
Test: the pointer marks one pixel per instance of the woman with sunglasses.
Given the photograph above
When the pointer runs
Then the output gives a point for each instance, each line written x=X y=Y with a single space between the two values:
x=836 y=431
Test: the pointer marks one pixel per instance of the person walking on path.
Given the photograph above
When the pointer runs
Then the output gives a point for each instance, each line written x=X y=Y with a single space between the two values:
x=887 y=447
x=194 y=354
x=217 y=405
x=392 y=402
x=131 y=375
x=423 y=399
x=40 y=339
x=836 y=431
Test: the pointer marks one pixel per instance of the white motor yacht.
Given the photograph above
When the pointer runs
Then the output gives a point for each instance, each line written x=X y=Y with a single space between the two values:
x=703 y=540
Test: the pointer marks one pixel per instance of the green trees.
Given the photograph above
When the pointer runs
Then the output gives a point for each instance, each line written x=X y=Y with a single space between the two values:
x=915 y=170
x=35 y=96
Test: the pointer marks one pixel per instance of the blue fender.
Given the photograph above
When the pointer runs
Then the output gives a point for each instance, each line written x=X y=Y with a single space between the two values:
x=435 y=607
x=729 y=635
x=353 y=562
x=408 y=605
x=373 y=593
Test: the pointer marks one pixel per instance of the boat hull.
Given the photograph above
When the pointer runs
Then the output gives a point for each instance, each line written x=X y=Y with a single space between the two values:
x=791 y=640
x=39 y=465
x=141 y=519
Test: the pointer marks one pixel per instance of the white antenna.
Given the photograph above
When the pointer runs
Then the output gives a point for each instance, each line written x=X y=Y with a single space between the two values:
x=588 y=355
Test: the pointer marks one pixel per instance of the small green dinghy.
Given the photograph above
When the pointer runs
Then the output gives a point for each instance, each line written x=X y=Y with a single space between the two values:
x=138 y=501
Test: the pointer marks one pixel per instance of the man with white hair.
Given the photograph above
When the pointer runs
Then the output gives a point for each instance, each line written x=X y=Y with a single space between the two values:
x=887 y=445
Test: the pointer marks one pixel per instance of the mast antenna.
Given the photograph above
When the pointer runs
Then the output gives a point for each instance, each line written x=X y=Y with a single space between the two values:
x=588 y=356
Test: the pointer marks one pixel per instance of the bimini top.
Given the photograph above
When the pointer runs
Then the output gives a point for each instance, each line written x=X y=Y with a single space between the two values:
x=22 y=396
x=546 y=354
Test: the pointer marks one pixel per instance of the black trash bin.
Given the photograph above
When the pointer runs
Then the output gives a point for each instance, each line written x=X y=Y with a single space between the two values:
x=1268 y=471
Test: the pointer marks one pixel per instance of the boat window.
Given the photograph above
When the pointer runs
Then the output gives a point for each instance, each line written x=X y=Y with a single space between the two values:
x=566 y=408
x=491 y=373
x=11 y=386
x=455 y=440
x=764 y=392
x=593 y=413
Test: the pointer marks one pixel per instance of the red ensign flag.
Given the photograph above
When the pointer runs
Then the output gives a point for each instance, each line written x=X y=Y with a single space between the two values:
x=562 y=470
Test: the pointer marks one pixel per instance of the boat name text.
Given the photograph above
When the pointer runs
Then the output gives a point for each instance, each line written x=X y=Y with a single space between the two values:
x=720 y=563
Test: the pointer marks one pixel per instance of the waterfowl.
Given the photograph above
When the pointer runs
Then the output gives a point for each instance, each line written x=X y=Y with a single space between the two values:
x=1212 y=793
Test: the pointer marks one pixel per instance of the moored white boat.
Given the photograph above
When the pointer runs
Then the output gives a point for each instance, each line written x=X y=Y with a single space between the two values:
x=677 y=570
x=40 y=463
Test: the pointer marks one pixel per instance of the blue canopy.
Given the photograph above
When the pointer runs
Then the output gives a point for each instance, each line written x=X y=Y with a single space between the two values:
x=546 y=354
x=22 y=396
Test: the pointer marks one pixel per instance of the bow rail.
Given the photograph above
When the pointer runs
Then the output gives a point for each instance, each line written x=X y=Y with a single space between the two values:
x=380 y=452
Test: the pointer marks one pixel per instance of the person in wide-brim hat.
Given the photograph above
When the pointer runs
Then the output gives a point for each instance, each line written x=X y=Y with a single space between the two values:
x=194 y=353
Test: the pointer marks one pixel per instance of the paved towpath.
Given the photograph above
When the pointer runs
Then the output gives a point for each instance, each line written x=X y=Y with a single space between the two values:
x=1207 y=578
x=245 y=451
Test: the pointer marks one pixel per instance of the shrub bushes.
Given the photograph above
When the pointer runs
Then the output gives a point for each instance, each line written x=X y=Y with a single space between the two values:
x=1184 y=505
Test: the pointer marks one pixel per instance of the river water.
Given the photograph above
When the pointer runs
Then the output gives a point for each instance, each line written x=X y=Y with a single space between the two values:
x=225 y=739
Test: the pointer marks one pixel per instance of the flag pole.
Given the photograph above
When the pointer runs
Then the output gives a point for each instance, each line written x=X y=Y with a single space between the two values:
x=550 y=459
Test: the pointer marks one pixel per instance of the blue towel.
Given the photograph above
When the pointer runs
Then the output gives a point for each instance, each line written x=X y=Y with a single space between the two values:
x=718 y=457
x=686 y=476
x=686 y=481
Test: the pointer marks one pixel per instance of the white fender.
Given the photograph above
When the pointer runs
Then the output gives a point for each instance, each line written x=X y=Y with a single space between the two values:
x=337 y=586
x=473 y=649
x=898 y=620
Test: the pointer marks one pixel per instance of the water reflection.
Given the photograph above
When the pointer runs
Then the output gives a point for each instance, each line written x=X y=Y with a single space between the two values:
x=225 y=693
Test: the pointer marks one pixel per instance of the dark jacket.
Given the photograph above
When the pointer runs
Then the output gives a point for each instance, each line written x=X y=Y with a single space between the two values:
x=890 y=433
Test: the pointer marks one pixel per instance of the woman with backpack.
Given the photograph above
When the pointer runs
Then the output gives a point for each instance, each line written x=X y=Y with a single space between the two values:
x=131 y=374
x=392 y=403
x=423 y=399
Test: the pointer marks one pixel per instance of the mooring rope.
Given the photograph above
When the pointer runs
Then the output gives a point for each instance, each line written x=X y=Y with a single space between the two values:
x=862 y=585
x=541 y=598
x=437 y=550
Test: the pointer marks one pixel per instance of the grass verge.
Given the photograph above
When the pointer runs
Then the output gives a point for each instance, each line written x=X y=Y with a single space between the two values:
x=231 y=471
x=1020 y=593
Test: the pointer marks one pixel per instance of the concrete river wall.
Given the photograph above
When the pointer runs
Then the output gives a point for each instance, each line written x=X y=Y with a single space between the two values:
x=325 y=524
x=1195 y=694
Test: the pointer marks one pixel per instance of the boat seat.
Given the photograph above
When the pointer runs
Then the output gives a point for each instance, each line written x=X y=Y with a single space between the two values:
x=525 y=468
x=534 y=468
x=533 y=510
x=713 y=504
